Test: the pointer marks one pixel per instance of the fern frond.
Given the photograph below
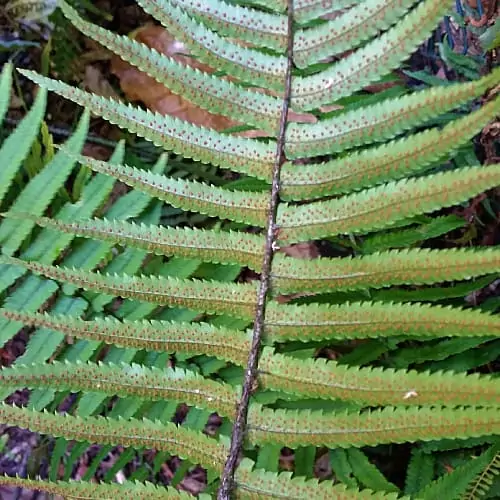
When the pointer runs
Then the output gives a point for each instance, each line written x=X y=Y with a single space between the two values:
x=390 y=161
x=102 y=491
x=453 y=485
x=134 y=380
x=399 y=267
x=420 y=471
x=371 y=62
x=151 y=335
x=347 y=31
x=186 y=443
x=481 y=485
x=383 y=120
x=249 y=65
x=205 y=296
x=5 y=86
x=228 y=247
x=370 y=319
x=17 y=146
x=240 y=206
x=205 y=145
x=381 y=207
x=296 y=428
x=367 y=473
x=250 y=25
x=41 y=189
x=209 y=92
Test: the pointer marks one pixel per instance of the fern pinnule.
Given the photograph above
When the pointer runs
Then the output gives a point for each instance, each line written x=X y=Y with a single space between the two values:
x=240 y=206
x=103 y=491
x=201 y=295
x=228 y=247
x=382 y=269
x=381 y=207
x=16 y=147
x=306 y=10
x=252 y=483
x=5 y=86
x=205 y=145
x=150 y=384
x=375 y=319
x=296 y=428
x=138 y=433
x=150 y=335
x=324 y=379
x=250 y=25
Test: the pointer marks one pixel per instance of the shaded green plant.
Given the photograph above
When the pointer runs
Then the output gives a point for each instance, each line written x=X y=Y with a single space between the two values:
x=182 y=331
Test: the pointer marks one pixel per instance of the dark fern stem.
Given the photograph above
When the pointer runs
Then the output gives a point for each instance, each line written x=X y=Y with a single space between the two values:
x=238 y=432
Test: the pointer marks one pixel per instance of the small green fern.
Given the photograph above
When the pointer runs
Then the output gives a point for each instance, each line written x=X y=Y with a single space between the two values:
x=186 y=331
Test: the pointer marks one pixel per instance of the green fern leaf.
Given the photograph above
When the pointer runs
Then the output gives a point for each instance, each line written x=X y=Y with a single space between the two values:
x=205 y=145
x=387 y=162
x=102 y=491
x=207 y=296
x=160 y=336
x=17 y=146
x=366 y=319
x=254 y=484
x=369 y=63
x=418 y=267
x=484 y=481
x=137 y=433
x=246 y=64
x=420 y=471
x=240 y=206
x=211 y=93
x=296 y=428
x=381 y=207
x=347 y=31
x=373 y=386
x=150 y=384
x=38 y=193
x=229 y=247
x=454 y=484
x=306 y=10
x=381 y=121
x=367 y=473
x=249 y=25
x=5 y=86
